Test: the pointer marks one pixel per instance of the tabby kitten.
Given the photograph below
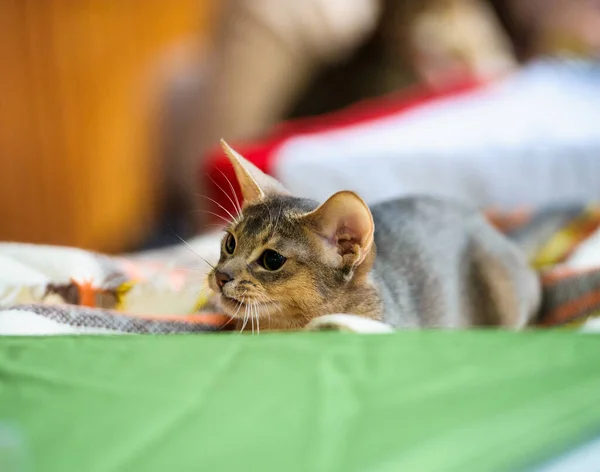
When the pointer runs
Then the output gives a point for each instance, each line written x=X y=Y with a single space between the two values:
x=411 y=262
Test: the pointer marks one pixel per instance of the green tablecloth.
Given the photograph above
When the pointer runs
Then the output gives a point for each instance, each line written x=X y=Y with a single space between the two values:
x=411 y=401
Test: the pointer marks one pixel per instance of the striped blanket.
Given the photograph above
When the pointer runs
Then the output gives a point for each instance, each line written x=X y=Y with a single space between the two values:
x=56 y=290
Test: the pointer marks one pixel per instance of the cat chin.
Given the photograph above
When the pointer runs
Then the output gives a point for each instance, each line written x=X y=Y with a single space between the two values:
x=237 y=308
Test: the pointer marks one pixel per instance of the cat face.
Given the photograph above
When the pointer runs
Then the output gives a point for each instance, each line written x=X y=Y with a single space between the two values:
x=285 y=258
x=270 y=265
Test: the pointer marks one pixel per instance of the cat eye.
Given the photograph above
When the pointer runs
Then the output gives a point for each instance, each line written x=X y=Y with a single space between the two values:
x=271 y=260
x=230 y=243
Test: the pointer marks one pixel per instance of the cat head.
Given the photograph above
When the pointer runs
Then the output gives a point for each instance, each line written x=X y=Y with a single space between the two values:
x=288 y=259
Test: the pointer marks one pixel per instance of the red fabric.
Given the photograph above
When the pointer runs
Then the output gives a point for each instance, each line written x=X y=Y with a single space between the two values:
x=217 y=169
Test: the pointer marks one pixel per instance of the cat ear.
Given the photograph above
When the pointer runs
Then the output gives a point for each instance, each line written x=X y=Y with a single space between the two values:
x=254 y=183
x=346 y=223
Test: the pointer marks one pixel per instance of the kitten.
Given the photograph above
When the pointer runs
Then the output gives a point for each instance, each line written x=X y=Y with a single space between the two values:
x=411 y=262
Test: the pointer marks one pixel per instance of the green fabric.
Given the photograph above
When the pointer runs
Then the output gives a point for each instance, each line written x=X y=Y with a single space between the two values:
x=413 y=401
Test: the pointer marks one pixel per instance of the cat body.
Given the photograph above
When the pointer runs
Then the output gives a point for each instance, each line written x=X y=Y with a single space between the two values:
x=441 y=264
x=411 y=262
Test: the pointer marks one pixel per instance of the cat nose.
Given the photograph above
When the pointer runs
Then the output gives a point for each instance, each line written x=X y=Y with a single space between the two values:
x=222 y=278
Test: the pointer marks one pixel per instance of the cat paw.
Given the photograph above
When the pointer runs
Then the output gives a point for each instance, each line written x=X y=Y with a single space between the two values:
x=348 y=323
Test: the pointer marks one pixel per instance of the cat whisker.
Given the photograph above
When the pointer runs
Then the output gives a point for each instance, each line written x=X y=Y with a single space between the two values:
x=267 y=303
x=246 y=315
x=195 y=279
x=202 y=291
x=266 y=299
x=263 y=304
x=208 y=294
x=270 y=216
x=257 y=318
x=250 y=317
x=236 y=205
x=217 y=215
x=276 y=221
x=195 y=271
x=239 y=206
x=190 y=248
x=253 y=316
x=234 y=315
x=233 y=218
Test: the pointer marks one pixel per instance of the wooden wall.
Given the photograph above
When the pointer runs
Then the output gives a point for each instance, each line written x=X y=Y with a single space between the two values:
x=77 y=81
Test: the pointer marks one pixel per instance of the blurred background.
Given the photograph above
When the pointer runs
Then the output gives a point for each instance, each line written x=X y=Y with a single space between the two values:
x=109 y=108
x=80 y=115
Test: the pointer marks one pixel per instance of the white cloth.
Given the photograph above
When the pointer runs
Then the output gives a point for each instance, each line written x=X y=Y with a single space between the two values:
x=533 y=139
